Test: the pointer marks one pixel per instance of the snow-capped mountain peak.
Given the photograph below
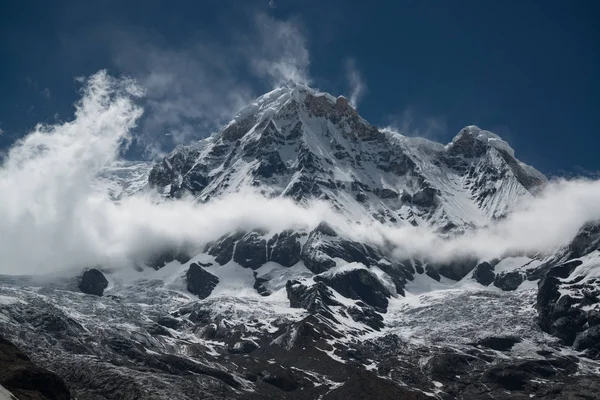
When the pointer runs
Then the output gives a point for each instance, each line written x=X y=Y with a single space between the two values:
x=311 y=312
x=306 y=144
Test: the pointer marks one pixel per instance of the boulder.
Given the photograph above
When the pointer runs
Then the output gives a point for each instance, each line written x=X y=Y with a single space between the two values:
x=200 y=282
x=168 y=322
x=589 y=340
x=93 y=282
x=484 y=273
x=509 y=281
x=500 y=343
x=243 y=347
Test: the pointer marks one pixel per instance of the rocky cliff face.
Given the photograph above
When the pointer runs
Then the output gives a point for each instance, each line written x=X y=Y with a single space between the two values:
x=309 y=145
x=305 y=314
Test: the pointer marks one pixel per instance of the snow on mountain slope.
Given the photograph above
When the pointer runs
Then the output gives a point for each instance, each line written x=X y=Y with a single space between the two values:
x=124 y=178
x=313 y=313
x=305 y=144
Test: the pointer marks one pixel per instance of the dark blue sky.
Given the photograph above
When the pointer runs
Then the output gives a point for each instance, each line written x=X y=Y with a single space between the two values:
x=528 y=70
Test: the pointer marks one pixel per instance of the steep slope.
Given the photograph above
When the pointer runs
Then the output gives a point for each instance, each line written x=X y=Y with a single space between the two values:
x=304 y=144
x=314 y=313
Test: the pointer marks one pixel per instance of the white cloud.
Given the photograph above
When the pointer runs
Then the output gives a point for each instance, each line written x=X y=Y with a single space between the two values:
x=280 y=51
x=196 y=87
x=356 y=83
x=191 y=90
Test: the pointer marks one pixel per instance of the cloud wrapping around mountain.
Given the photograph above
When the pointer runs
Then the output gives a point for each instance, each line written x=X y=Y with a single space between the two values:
x=54 y=217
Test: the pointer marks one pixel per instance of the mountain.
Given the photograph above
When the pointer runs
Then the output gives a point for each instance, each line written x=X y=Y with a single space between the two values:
x=315 y=313
x=310 y=145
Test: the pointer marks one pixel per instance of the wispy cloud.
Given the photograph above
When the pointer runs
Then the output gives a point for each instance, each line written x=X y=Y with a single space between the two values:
x=33 y=84
x=280 y=52
x=191 y=90
x=410 y=123
x=356 y=83
x=194 y=88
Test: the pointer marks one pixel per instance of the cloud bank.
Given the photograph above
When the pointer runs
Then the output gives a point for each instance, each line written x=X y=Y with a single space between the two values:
x=55 y=217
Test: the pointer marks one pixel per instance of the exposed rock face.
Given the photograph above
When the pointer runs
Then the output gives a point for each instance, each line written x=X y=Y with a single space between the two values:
x=500 y=343
x=509 y=280
x=315 y=299
x=93 y=282
x=200 y=282
x=319 y=299
x=161 y=259
x=567 y=307
x=252 y=249
x=358 y=284
x=25 y=379
x=432 y=273
x=342 y=335
x=456 y=269
x=284 y=248
x=484 y=273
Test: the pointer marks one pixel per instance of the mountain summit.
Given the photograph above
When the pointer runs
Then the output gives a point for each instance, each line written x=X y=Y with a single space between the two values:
x=304 y=144
x=317 y=313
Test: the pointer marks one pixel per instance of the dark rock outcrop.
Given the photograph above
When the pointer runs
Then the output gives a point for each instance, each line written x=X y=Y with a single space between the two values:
x=589 y=341
x=455 y=269
x=366 y=315
x=93 y=282
x=223 y=248
x=169 y=322
x=284 y=248
x=365 y=385
x=200 y=282
x=500 y=343
x=566 y=315
x=508 y=281
x=358 y=284
x=25 y=379
x=484 y=273
x=251 y=251
x=431 y=272
x=161 y=259
x=316 y=299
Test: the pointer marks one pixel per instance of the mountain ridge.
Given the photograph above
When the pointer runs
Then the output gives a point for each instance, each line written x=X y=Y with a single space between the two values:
x=299 y=134
x=315 y=312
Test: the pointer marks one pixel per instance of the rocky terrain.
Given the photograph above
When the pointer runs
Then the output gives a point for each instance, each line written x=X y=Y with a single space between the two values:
x=316 y=313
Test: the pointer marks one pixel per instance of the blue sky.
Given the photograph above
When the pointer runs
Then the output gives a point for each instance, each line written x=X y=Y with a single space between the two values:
x=527 y=70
